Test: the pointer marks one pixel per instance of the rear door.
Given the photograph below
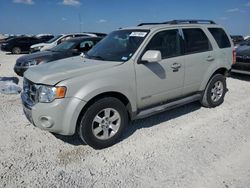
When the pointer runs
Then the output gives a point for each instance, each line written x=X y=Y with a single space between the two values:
x=199 y=56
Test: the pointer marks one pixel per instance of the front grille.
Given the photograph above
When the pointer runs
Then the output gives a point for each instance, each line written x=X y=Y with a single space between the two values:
x=30 y=90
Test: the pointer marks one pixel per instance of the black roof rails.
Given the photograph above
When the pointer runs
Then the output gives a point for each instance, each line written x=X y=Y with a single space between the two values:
x=173 y=22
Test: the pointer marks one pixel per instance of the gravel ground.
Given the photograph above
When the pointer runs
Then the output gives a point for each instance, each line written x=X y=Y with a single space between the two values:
x=190 y=146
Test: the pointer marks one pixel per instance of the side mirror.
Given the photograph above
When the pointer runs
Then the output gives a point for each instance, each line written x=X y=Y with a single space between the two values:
x=151 y=56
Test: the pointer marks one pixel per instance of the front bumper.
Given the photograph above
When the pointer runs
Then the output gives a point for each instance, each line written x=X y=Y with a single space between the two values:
x=33 y=50
x=4 y=48
x=59 y=116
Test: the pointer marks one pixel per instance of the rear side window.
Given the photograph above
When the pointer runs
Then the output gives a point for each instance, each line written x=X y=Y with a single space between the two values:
x=196 y=41
x=220 y=37
x=167 y=42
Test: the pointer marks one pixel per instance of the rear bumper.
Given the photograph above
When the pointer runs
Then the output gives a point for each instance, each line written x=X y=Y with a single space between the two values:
x=241 y=67
x=240 y=71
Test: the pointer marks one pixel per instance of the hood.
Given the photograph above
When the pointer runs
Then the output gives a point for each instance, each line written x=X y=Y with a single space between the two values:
x=57 y=71
x=243 y=50
x=43 y=55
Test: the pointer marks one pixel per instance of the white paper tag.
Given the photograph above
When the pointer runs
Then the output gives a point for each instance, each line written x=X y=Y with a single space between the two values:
x=138 y=34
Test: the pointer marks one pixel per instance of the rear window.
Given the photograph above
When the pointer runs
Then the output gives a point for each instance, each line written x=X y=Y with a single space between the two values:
x=220 y=37
x=196 y=41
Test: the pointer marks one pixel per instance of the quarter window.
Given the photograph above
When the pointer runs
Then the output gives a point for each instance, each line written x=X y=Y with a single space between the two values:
x=196 y=41
x=167 y=42
x=220 y=37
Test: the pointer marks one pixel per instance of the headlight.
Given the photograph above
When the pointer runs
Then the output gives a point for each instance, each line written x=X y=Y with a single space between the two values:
x=48 y=94
x=38 y=48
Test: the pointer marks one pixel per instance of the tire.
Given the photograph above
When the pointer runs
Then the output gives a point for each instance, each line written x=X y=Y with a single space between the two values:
x=103 y=123
x=16 y=50
x=215 y=91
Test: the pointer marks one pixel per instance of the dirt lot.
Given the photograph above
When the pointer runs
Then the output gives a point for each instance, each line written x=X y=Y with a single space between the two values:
x=186 y=147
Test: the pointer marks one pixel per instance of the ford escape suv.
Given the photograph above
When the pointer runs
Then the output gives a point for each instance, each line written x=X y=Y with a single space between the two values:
x=132 y=73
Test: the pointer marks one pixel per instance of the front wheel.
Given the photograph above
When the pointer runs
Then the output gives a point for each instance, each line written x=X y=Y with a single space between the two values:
x=16 y=50
x=103 y=123
x=215 y=91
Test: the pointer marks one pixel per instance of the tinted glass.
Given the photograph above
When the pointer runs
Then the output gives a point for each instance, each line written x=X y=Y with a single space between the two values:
x=80 y=35
x=64 y=46
x=196 y=41
x=220 y=37
x=54 y=39
x=167 y=42
x=23 y=40
x=119 y=45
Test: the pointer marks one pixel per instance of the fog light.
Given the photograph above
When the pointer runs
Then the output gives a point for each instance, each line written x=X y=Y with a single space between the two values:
x=46 y=122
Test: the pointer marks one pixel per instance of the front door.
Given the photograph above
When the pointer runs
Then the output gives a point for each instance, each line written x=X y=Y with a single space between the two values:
x=161 y=81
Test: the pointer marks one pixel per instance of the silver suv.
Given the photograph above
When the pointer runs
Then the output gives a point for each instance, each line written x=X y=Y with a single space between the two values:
x=132 y=73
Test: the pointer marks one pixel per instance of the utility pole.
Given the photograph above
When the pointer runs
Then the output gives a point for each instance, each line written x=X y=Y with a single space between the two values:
x=80 y=22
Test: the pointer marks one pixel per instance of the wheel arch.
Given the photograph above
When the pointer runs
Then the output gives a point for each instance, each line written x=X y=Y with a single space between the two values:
x=114 y=94
x=222 y=70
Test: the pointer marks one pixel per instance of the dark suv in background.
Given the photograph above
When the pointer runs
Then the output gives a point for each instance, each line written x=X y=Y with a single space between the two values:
x=22 y=44
x=69 y=48
x=237 y=39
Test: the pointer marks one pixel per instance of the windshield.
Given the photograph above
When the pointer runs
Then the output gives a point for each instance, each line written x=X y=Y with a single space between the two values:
x=54 y=39
x=63 y=46
x=118 y=46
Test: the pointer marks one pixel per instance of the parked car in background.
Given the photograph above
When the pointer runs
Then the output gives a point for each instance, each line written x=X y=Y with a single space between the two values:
x=131 y=74
x=57 y=40
x=19 y=45
x=44 y=38
x=3 y=40
x=242 y=64
x=69 y=48
x=237 y=39
x=247 y=37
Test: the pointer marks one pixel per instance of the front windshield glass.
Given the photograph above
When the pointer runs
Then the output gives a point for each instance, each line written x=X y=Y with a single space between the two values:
x=118 y=46
x=54 y=39
x=64 y=46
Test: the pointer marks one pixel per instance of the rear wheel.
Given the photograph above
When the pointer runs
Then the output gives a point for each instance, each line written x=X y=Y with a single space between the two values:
x=215 y=91
x=16 y=50
x=103 y=123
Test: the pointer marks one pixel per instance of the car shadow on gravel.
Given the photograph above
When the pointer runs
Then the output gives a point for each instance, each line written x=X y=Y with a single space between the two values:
x=140 y=124
x=73 y=140
x=242 y=77
x=160 y=118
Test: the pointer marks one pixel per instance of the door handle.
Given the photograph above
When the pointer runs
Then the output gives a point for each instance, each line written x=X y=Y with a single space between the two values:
x=210 y=58
x=176 y=66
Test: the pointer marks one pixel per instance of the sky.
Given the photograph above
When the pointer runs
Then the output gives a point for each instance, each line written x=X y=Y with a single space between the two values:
x=65 y=16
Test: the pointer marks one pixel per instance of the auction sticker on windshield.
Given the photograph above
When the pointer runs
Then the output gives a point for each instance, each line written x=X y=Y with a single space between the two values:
x=138 y=34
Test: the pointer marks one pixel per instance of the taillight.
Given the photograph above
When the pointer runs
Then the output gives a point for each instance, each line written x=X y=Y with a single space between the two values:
x=234 y=56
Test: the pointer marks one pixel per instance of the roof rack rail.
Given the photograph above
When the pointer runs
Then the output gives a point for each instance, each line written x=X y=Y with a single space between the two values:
x=173 y=22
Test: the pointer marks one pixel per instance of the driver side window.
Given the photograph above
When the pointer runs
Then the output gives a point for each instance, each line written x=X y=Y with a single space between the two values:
x=64 y=39
x=86 y=46
x=167 y=42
